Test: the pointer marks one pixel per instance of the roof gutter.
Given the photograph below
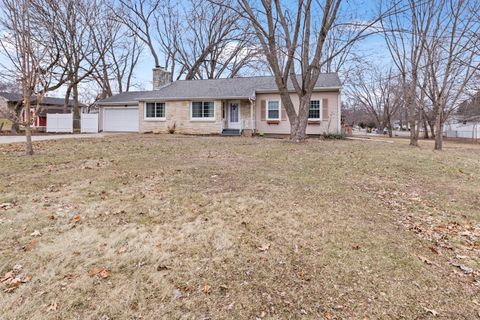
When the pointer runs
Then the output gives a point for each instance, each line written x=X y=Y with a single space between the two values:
x=191 y=98
x=293 y=90
x=124 y=103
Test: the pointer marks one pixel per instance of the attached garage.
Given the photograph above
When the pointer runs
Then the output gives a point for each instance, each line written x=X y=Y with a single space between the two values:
x=120 y=119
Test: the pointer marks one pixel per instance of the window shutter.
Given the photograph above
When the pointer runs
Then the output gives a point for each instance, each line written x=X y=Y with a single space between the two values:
x=324 y=109
x=284 y=113
x=263 y=110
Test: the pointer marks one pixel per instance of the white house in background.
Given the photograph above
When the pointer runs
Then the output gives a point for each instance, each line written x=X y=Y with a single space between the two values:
x=461 y=127
x=219 y=106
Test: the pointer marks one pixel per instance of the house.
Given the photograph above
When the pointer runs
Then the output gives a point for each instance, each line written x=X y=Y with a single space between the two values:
x=229 y=106
x=463 y=127
x=9 y=102
x=465 y=123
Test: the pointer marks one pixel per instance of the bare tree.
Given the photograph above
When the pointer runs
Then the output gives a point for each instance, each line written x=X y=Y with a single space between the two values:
x=214 y=43
x=31 y=48
x=451 y=59
x=115 y=70
x=193 y=40
x=140 y=17
x=81 y=28
x=294 y=38
x=379 y=93
x=406 y=31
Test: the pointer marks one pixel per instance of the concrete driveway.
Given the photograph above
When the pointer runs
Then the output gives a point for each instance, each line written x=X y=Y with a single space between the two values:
x=17 y=139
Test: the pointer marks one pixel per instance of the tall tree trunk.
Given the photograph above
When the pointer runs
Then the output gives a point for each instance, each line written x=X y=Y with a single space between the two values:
x=417 y=131
x=412 y=114
x=76 y=110
x=390 y=130
x=28 y=130
x=66 y=102
x=425 y=129
x=439 y=134
x=432 y=129
x=298 y=128
x=413 y=131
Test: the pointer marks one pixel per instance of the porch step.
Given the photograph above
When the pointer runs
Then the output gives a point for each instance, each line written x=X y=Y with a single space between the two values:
x=231 y=132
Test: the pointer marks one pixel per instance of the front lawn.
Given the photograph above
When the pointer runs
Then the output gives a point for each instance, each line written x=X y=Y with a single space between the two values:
x=179 y=227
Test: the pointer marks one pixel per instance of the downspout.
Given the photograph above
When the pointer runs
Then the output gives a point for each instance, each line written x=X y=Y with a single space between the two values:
x=252 y=115
x=339 y=112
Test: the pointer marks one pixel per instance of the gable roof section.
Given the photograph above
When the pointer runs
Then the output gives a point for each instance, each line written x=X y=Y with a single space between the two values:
x=46 y=101
x=231 y=88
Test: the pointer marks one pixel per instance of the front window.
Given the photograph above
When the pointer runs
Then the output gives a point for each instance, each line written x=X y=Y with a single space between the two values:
x=203 y=110
x=273 y=110
x=155 y=110
x=314 y=111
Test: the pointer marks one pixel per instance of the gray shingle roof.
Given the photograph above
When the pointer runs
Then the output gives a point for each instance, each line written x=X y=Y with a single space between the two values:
x=241 y=88
x=14 y=97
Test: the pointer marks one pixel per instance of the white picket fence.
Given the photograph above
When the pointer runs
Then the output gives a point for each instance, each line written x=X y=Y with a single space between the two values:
x=60 y=122
x=89 y=123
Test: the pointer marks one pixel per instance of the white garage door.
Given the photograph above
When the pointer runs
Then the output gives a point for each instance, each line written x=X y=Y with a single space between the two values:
x=120 y=120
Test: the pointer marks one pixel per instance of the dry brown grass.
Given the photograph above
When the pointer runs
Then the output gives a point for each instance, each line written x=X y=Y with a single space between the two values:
x=239 y=228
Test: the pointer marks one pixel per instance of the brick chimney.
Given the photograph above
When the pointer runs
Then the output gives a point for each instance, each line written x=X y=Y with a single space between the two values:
x=161 y=77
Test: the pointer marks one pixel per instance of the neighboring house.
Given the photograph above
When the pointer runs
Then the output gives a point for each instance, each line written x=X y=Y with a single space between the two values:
x=463 y=127
x=9 y=101
x=229 y=106
x=465 y=123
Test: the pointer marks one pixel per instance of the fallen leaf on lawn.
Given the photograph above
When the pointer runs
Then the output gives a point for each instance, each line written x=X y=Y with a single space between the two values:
x=70 y=276
x=264 y=247
x=431 y=311
x=163 y=267
x=122 y=250
x=100 y=272
x=30 y=246
x=206 y=289
x=36 y=233
x=26 y=279
x=8 y=276
x=13 y=285
x=425 y=260
x=6 y=205
x=465 y=269
x=434 y=250
x=52 y=307
x=328 y=315
x=77 y=218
